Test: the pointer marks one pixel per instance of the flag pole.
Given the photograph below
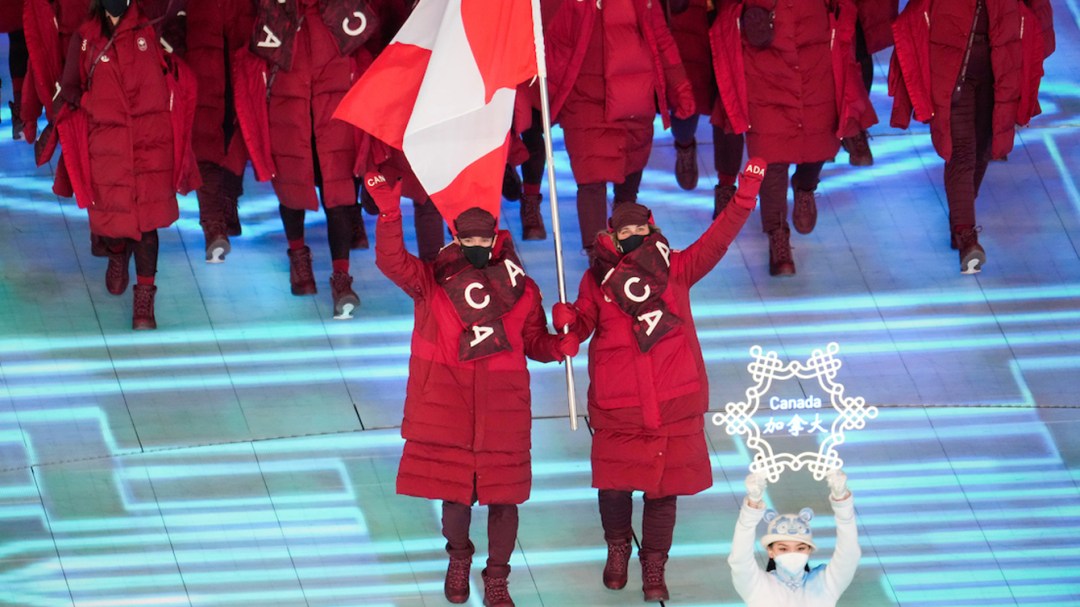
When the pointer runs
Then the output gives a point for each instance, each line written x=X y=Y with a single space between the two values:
x=545 y=113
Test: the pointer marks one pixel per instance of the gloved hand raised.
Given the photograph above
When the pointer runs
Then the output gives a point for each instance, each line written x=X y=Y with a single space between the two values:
x=837 y=480
x=750 y=183
x=569 y=345
x=386 y=196
x=683 y=95
x=563 y=315
x=755 y=488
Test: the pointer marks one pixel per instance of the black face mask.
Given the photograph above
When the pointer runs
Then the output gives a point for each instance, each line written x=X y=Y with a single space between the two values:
x=630 y=243
x=477 y=256
x=116 y=8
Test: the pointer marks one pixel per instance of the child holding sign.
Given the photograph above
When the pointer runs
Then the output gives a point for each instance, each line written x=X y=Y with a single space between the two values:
x=648 y=392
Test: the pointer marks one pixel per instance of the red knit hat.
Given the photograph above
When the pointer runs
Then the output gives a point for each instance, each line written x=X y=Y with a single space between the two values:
x=629 y=214
x=475 y=222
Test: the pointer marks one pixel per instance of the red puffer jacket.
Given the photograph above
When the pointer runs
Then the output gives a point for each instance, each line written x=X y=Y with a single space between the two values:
x=136 y=116
x=11 y=12
x=690 y=29
x=876 y=18
x=785 y=95
x=215 y=30
x=464 y=420
x=48 y=28
x=648 y=408
x=620 y=63
x=932 y=38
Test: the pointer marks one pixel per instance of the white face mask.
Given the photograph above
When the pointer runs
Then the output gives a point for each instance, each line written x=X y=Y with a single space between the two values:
x=792 y=563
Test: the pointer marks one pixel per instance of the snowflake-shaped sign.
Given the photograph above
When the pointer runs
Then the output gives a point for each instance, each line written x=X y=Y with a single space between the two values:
x=738 y=418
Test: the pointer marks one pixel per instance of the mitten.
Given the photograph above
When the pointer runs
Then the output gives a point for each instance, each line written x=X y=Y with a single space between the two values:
x=386 y=197
x=755 y=487
x=569 y=345
x=837 y=481
x=750 y=183
x=563 y=315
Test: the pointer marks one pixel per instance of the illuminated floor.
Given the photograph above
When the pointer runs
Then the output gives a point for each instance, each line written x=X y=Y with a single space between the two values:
x=245 y=452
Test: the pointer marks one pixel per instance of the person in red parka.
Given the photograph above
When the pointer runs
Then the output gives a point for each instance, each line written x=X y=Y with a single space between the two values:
x=972 y=70
x=308 y=46
x=648 y=391
x=873 y=33
x=776 y=65
x=120 y=87
x=11 y=16
x=467 y=405
x=689 y=22
x=610 y=66
x=215 y=30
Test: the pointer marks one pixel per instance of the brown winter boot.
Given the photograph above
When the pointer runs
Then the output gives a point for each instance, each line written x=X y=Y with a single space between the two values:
x=142 y=315
x=972 y=255
x=858 y=149
x=511 y=186
x=722 y=195
x=217 y=241
x=780 y=260
x=686 y=169
x=346 y=301
x=116 y=274
x=804 y=213
x=359 y=237
x=300 y=275
x=532 y=222
x=652 y=578
x=618 y=559
x=496 y=591
x=456 y=586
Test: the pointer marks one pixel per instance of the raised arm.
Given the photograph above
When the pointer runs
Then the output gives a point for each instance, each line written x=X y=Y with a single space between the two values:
x=845 y=561
x=391 y=258
x=746 y=574
x=700 y=258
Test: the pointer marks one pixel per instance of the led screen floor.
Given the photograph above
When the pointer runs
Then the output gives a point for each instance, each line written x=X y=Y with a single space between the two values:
x=245 y=452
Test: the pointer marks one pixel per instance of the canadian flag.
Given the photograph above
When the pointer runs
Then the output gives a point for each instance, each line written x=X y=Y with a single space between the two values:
x=443 y=92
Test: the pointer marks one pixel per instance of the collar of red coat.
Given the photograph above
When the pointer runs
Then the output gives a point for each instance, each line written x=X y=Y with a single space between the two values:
x=451 y=261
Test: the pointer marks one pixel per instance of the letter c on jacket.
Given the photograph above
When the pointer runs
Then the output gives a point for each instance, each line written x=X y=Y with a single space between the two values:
x=472 y=302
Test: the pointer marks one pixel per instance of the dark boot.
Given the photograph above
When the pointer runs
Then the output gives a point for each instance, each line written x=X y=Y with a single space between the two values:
x=359 y=238
x=496 y=591
x=116 y=275
x=142 y=315
x=217 y=241
x=232 y=218
x=618 y=560
x=346 y=301
x=301 y=277
x=686 y=169
x=652 y=578
x=456 y=586
x=17 y=123
x=780 y=260
x=804 y=213
x=532 y=222
x=972 y=255
x=858 y=149
x=511 y=186
x=722 y=195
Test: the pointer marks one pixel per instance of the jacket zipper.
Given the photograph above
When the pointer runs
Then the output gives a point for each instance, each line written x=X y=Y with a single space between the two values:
x=967 y=53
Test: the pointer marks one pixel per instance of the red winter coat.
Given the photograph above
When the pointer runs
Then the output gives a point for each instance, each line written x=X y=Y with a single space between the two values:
x=464 y=421
x=647 y=409
x=931 y=43
x=609 y=70
x=785 y=97
x=690 y=30
x=11 y=12
x=876 y=18
x=132 y=155
x=48 y=28
x=216 y=29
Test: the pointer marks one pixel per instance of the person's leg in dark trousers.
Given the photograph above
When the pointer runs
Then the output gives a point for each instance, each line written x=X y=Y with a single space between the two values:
x=683 y=130
x=145 y=251
x=340 y=230
x=592 y=212
x=858 y=146
x=502 y=535
x=774 y=222
x=616 y=510
x=971 y=134
x=532 y=172
x=627 y=191
x=212 y=212
x=657 y=528
x=456 y=519
x=803 y=184
x=18 y=59
x=807 y=176
x=727 y=160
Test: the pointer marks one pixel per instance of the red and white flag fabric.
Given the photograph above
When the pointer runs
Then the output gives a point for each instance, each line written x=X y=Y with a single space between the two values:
x=443 y=92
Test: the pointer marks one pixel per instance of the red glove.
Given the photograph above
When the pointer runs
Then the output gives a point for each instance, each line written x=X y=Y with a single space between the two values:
x=563 y=315
x=750 y=183
x=685 y=105
x=569 y=345
x=386 y=197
